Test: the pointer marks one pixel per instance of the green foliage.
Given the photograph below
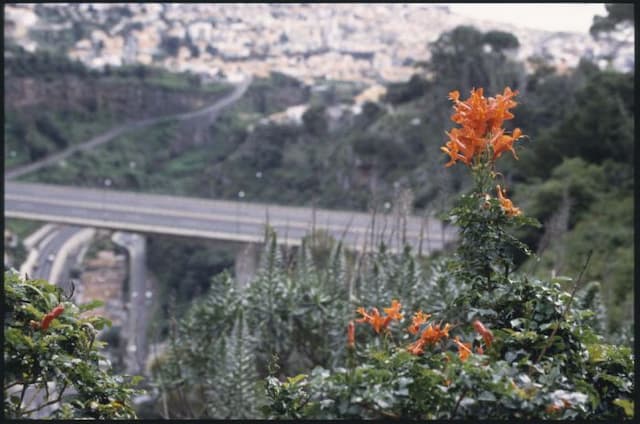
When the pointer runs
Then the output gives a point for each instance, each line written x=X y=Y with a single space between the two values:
x=545 y=360
x=599 y=126
x=616 y=15
x=535 y=356
x=209 y=368
x=21 y=63
x=500 y=40
x=184 y=268
x=458 y=59
x=66 y=354
x=315 y=121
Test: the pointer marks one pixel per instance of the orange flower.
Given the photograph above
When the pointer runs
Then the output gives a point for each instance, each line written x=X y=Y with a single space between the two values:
x=464 y=349
x=394 y=310
x=417 y=347
x=502 y=143
x=479 y=350
x=46 y=320
x=380 y=322
x=377 y=321
x=481 y=120
x=351 y=335
x=507 y=204
x=430 y=336
x=418 y=319
x=486 y=334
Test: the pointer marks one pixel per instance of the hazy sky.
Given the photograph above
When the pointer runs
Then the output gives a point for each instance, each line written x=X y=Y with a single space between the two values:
x=571 y=17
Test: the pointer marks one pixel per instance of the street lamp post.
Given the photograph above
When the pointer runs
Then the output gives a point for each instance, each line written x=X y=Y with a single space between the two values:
x=240 y=197
x=107 y=184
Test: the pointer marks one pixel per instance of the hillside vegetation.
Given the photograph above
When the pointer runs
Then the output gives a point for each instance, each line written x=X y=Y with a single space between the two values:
x=574 y=173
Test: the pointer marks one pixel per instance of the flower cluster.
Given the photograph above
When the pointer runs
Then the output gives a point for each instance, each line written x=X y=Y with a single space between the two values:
x=430 y=333
x=381 y=322
x=430 y=336
x=481 y=120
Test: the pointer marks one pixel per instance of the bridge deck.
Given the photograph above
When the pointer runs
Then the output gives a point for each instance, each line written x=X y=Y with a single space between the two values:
x=216 y=219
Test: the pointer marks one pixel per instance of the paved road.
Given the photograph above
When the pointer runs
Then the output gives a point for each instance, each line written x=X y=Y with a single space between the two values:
x=214 y=219
x=210 y=112
x=140 y=298
x=48 y=254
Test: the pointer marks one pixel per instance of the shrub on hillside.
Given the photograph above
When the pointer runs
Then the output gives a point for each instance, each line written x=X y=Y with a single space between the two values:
x=51 y=348
x=506 y=346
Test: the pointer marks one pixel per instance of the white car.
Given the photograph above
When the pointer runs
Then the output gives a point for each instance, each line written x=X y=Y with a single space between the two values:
x=51 y=257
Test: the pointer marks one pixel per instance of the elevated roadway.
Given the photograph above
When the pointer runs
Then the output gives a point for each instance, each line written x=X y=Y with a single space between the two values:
x=217 y=219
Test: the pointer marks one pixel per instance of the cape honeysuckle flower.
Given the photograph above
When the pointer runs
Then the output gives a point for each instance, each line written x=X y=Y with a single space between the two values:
x=418 y=319
x=479 y=350
x=394 y=310
x=46 y=320
x=417 y=347
x=464 y=349
x=481 y=120
x=486 y=334
x=507 y=204
x=351 y=335
x=433 y=334
x=377 y=321
x=430 y=336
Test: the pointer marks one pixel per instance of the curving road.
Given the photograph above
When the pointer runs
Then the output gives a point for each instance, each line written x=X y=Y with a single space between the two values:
x=210 y=111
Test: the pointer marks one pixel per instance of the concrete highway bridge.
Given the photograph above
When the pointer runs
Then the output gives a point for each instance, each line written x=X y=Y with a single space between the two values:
x=218 y=219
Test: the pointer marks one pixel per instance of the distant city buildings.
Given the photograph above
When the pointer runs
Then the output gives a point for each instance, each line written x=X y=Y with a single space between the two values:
x=371 y=43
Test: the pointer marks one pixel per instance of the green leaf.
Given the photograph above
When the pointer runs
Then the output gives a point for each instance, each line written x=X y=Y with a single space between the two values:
x=90 y=305
x=296 y=379
x=487 y=396
x=99 y=322
x=561 y=279
x=625 y=404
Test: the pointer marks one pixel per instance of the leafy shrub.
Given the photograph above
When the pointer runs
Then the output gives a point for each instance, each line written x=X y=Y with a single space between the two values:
x=506 y=346
x=47 y=340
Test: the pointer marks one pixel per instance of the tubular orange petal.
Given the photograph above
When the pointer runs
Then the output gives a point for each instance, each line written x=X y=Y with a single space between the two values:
x=464 y=349
x=394 y=310
x=416 y=348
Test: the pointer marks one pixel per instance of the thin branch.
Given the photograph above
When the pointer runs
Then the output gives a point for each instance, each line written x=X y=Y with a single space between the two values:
x=51 y=402
x=455 y=409
x=24 y=390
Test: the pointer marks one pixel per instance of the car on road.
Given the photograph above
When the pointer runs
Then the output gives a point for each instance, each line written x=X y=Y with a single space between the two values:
x=51 y=257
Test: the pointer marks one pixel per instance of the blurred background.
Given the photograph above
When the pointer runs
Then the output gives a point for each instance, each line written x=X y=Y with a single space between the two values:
x=328 y=107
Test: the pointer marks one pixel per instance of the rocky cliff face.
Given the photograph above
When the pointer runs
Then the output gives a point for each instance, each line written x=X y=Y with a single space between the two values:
x=117 y=98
